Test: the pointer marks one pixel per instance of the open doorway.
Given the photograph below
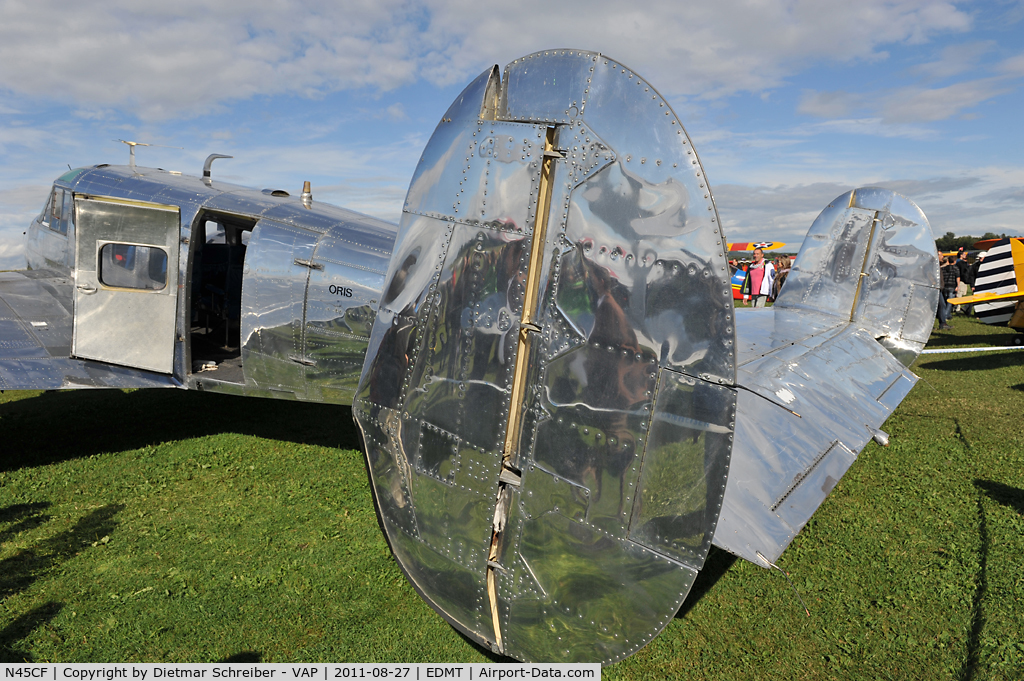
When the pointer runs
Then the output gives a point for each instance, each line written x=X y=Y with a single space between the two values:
x=218 y=258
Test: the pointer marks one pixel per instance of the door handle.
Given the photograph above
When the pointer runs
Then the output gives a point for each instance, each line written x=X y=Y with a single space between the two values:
x=309 y=263
x=87 y=289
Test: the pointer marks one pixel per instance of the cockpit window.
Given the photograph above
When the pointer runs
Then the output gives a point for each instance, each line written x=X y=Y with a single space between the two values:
x=57 y=220
x=44 y=217
x=130 y=266
x=67 y=216
x=58 y=211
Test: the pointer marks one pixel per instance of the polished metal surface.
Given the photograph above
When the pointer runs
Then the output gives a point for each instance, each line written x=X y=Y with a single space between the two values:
x=558 y=246
x=345 y=281
x=870 y=259
x=335 y=313
x=308 y=302
x=122 y=321
x=822 y=370
x=561 y=409
x=273 y=295
x=35 y=339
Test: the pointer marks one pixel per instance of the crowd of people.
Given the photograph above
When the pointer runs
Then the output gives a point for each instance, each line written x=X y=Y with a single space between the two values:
x=956 y=278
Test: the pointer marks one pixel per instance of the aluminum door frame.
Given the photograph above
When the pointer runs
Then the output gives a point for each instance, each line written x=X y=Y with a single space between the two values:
x=129 y=327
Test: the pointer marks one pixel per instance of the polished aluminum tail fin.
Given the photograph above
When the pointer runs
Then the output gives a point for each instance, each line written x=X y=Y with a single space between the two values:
x=870 y=259
x=547 y=398
x=820 y=372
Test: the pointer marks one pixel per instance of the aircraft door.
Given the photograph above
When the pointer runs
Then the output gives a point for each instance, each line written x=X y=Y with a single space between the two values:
x=126 y=282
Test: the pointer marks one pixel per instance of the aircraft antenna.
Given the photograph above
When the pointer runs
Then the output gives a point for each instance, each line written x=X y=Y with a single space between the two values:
x=773 y=566
x=132 y=145
x=209 y=162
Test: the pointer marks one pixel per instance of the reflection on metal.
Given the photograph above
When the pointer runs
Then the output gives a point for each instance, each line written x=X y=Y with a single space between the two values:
x=948 y=351
x=854 y=313
x=549 y=477
x=35 y=340
x=208 y=164
x=526 y=327
x=561 y=409
x=325 y=322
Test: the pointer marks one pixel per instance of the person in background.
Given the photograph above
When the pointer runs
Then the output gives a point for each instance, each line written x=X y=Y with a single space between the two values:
x=760 y=277
x=949 y=278
x=782 y=267
x=964 y=269
x=744 y=288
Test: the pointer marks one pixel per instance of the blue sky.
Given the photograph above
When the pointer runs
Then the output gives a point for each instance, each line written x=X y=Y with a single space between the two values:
x=789 y=103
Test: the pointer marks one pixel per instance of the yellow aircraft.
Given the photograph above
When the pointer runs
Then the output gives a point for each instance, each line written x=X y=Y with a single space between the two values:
x=1000 y=286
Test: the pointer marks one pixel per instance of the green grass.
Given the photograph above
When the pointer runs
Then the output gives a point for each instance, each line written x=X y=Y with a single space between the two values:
x=176 y=526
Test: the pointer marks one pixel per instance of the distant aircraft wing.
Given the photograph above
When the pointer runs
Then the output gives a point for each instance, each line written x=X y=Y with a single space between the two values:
x=35 y=340
x=821 y=371
x=987 y=298
x=986 y=244
x=751 y=245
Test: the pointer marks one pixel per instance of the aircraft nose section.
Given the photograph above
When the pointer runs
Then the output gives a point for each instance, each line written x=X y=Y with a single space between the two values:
x=547 y=400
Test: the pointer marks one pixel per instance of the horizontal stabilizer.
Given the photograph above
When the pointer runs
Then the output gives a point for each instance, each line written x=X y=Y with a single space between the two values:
x=804 y=412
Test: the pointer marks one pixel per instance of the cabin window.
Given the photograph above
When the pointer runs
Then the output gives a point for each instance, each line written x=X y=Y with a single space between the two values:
x=130 y=266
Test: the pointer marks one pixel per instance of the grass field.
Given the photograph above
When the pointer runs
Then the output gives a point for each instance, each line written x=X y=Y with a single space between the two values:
x=183 y=526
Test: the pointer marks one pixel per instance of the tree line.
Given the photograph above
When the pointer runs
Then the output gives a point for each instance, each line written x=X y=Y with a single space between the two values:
x=952 y=242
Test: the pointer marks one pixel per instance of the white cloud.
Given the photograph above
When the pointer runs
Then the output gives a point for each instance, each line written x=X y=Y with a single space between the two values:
x=980 y=201
x=875 y=127
x=1013 y=66
x=396 y=112
x=905 y=105
x=193 y=56
x=936 y=104
x=836 y=104
x=954 y=60
x=18 y=206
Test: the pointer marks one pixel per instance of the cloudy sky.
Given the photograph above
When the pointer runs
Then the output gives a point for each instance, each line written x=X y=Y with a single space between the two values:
x=789 y=102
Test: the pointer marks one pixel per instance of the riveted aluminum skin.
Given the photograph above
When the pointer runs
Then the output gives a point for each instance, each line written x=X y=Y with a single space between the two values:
x=307 y=324
x=824 y=368
x=870 y=258
x=272 y=306
x=570 y=526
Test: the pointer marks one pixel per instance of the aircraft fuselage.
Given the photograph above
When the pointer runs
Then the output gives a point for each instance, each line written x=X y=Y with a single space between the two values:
x=208 y=285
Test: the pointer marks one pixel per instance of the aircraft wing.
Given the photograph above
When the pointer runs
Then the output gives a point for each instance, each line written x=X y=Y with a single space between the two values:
x=987 y=298
x=1000 y=278
x=805 y=409
x=751 y=245
x=35 y=340
x=819 y=373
